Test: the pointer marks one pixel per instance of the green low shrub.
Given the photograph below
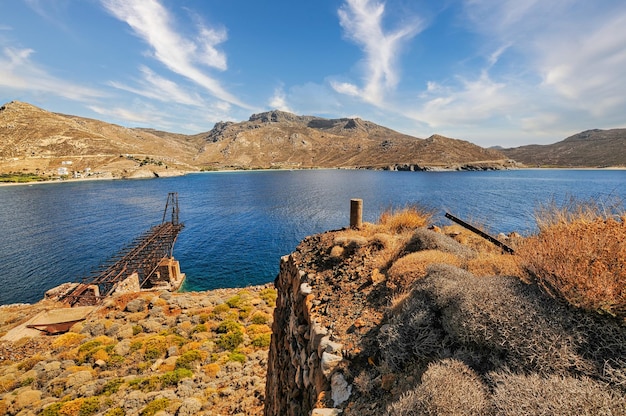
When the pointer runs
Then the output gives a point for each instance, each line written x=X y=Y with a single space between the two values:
x=230 y=340
x=187 y=359
x=155 y=406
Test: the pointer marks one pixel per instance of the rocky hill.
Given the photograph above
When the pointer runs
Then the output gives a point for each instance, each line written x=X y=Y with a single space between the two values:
x=591 y=148
x=280 y=139
x=37 y=141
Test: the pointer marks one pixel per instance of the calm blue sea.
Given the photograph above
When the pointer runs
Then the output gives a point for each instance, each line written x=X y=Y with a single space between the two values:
x=239 y=224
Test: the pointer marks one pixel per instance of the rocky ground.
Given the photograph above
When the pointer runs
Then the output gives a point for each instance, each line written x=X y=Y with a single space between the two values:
x=433 y=322
x=201 y=353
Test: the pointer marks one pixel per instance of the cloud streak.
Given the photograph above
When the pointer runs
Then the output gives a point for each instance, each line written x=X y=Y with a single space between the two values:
x=19 y=72
x=162 y=89
x=362 y=21
x=152 y=23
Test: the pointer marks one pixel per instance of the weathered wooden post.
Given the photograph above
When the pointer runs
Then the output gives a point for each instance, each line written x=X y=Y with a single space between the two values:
x=356 y=213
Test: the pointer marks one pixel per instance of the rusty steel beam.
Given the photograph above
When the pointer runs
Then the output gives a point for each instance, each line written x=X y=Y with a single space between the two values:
x=480 y=233
x=142 y=256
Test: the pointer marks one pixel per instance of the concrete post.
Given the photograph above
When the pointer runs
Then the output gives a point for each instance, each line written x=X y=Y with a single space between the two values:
x=356 y=213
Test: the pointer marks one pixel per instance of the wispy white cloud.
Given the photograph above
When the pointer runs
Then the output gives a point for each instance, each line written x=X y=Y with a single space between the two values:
x=186 y=57
x=466 y=103
x=589 y=68
x=539 y=69
x=345 y=88
x=162 y=89
x=177 y=118
x=575 y=49
x=52 y=11
x=18 y=72
x=122 y=114
x=279 y=100
x=362 y=21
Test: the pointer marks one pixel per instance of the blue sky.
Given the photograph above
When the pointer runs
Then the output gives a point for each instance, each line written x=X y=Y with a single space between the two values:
x=494 y=72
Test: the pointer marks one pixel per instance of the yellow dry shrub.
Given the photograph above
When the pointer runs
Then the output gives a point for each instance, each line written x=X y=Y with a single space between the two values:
x=256 y=329
x=136 y=316
x=76 y=368
x=470 y=239
x=211 y=370
x=164 y=368
x=383 y=241
x=494 y=264
x=193 y=345
x=580 y=260
x=69 y=339
x=7 y=383
x=413 y=266
x=104 y=340
x=100 y=355
x=71 y=408
x=408 y=218
x=336 y=251
x=186 y=326
x=159 y=302
x=220 y=309
x=398 y=299
x=260 y=317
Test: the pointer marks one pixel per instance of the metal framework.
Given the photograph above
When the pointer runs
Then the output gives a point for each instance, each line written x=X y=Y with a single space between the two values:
x=143 y=256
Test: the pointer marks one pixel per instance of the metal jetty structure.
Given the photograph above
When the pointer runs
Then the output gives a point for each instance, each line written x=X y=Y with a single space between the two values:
x=146 y=263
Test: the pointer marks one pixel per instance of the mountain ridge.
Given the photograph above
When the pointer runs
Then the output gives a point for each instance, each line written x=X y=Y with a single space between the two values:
x=590 y=148
x=36 y=140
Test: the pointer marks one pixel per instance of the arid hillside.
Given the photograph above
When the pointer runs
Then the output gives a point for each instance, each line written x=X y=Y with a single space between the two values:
x=33 y=140
x=38 y=141
x=280 y=139
x=591 y=148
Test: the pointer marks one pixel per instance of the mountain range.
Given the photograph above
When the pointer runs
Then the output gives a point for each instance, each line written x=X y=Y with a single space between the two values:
x=32 y=139
x=47 y=143
x=591 y=148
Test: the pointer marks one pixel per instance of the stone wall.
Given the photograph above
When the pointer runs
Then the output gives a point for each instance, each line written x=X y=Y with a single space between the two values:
x=304 y=365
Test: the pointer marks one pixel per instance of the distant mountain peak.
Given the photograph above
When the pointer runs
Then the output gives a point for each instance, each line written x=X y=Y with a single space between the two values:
x=275 y=116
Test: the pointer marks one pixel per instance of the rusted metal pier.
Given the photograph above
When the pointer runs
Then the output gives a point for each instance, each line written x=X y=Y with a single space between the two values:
x=149 y=257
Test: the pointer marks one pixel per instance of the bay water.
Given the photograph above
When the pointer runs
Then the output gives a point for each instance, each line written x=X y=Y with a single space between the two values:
x=239 y=224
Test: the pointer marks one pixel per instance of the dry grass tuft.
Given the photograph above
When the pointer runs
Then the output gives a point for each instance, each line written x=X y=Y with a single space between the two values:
x=69 y=339
x=413 y=266
x=470 y=239
x=408 y=218
x=424 y=239
x=517 y=394
x=448 y=387
x=494 y=264
x=579 y=256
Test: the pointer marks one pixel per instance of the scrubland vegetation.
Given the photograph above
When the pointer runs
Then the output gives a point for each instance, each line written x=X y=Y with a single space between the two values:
x=471 y=330
x=146 y=353
x=579 y=255
x=19 y=177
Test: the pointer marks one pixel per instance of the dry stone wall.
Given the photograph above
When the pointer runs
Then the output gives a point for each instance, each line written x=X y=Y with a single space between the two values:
x=304 y=364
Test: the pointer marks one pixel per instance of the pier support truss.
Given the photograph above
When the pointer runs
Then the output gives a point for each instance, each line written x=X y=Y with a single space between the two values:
x=143 y=256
